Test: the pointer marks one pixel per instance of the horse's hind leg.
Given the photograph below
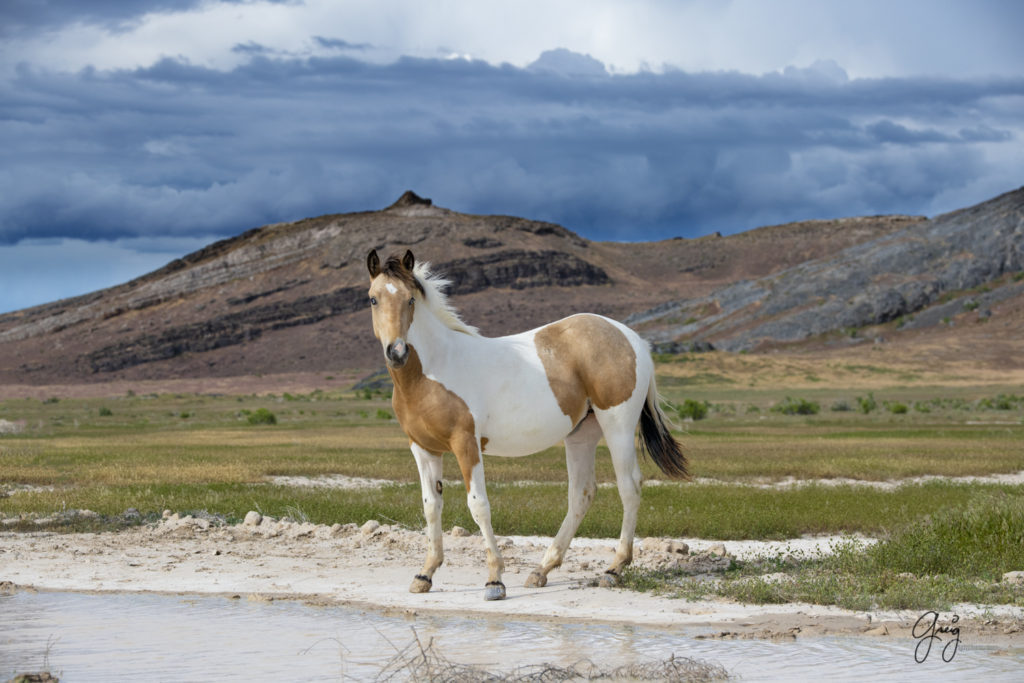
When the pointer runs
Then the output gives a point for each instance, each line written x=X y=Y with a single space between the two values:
x=622 y=445
x=430 y=467
x=580 y=447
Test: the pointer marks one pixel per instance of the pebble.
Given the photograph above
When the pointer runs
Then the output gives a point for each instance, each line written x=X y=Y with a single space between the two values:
x=717 y=549
x=369 y=527
x=459 y=531
x=877 y=631
x=252 y=518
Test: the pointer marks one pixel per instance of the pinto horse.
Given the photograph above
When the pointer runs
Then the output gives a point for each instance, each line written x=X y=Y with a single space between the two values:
x=574 y=380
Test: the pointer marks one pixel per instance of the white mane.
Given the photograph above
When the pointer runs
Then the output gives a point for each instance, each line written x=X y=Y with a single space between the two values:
x=437 y=301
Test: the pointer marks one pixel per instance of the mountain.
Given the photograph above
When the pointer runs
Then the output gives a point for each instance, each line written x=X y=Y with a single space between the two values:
x=921 y=275
x=291 y=297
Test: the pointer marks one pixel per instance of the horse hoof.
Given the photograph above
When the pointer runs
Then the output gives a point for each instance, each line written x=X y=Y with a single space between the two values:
x=494 y=590
x=609 y=580
x=536 y=579
x=421 y=584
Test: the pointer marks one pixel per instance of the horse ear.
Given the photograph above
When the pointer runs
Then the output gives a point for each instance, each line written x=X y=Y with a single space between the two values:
x=409 y=261
x=373 y=263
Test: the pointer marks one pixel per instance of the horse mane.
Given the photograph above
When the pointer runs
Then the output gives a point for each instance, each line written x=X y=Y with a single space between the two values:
x=433 y=286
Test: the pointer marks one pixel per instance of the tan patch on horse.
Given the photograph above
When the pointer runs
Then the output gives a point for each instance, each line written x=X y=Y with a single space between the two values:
x=433 y=417
x=586 y=358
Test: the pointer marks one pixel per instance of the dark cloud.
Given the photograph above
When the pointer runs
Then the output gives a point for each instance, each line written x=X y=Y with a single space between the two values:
x=339 y=44
x=182 y=149
x=18 y=16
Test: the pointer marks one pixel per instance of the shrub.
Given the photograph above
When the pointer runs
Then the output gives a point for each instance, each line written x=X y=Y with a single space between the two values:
x=383 y=414
x=105 y=411
x=262 y=416
x=692 y=410
x=897 y=408
x=841 y=406
x=796 y=406
x=1006 y=402
x=867 y=404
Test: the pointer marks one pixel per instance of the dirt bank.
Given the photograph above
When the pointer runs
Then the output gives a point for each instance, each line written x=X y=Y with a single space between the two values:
x=374 y=566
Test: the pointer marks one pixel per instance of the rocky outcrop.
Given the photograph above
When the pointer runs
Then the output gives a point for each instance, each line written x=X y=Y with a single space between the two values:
x=225 y=330
x=518 y=269
x=869 y=283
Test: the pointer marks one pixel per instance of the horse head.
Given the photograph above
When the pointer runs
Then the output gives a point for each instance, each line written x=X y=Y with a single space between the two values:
x=393 y=293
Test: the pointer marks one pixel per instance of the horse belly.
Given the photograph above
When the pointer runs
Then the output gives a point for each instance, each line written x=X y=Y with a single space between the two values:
x=525 y=424
x=524 y=441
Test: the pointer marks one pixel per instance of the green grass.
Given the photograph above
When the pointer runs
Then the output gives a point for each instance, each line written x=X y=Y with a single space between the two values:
x=141 y=453
x=680 y=510
x=955 y=555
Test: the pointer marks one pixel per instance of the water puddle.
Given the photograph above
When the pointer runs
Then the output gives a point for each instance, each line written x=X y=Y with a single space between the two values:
x=102 y=637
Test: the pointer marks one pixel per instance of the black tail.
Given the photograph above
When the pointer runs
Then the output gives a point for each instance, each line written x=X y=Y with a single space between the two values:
x=658 y=442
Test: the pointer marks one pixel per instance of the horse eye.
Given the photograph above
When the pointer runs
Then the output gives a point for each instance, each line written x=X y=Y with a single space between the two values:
x=373 y=301
x=412 y=301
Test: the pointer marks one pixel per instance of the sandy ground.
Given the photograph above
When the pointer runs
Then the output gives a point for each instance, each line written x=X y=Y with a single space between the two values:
x=372 y=566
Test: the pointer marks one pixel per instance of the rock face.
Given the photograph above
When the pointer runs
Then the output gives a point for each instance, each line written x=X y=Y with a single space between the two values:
x=869 y=283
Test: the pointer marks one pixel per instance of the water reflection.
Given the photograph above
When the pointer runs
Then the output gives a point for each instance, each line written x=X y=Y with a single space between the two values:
x=100 y=637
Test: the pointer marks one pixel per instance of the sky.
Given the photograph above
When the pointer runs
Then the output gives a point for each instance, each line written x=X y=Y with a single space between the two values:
x=133 y=133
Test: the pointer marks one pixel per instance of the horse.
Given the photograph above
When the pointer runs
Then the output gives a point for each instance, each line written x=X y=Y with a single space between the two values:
x=455 y=390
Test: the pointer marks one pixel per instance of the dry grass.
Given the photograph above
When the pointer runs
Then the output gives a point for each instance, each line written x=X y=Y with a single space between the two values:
x=861 y=368
x=419 y=662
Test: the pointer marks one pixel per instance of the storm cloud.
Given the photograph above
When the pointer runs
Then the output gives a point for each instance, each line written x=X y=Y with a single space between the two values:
x=178 y=148
x=191 y=146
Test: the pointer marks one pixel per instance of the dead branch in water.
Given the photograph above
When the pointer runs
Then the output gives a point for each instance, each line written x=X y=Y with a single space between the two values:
x=420 y=662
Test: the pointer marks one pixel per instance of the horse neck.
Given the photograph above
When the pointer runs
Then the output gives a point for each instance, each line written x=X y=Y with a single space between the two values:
x=438 y=346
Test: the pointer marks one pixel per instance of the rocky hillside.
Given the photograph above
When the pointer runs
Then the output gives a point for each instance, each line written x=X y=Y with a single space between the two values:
x=921 y=274
x=291 y=297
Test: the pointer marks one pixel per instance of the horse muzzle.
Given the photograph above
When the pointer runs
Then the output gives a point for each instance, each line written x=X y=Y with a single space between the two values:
x=397 y=352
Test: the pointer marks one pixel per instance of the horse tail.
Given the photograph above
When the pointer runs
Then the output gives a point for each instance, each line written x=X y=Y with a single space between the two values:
x=656 y=439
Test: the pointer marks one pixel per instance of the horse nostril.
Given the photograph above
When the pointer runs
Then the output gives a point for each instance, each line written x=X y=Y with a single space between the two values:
x=397 y=350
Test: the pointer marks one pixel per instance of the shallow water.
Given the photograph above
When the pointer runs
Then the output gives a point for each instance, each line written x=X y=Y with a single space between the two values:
x=115 y=636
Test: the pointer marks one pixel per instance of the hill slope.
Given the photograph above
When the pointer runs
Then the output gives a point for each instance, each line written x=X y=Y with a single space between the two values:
x=926 y=265
x=291 y=297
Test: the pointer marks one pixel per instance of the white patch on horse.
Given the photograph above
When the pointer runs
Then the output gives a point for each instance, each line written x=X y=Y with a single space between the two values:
x=391 y=288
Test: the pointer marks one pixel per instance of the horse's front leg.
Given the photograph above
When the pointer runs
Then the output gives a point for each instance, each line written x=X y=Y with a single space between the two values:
x=430 y=467
x=467 y=452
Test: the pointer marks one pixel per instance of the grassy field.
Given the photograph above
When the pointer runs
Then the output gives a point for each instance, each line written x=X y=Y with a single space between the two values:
x=758 y=420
